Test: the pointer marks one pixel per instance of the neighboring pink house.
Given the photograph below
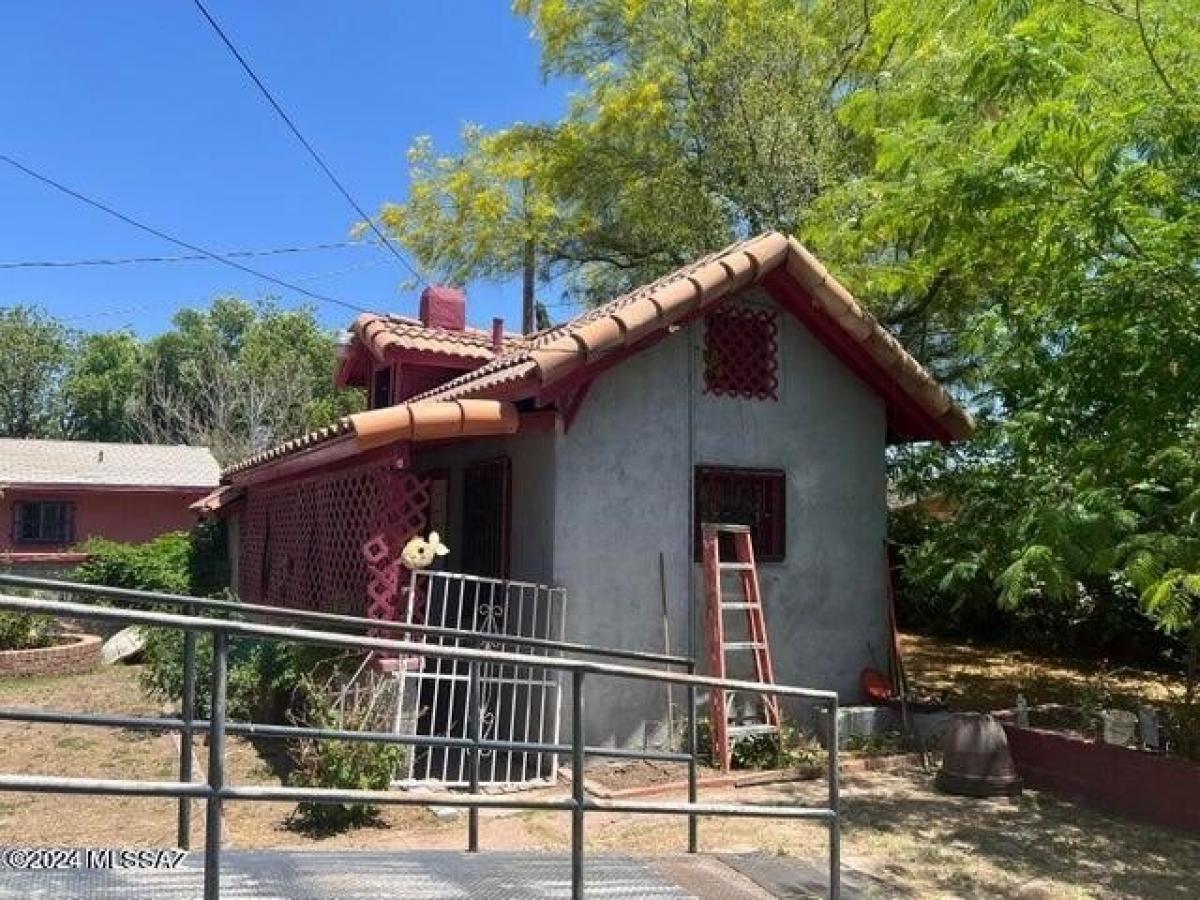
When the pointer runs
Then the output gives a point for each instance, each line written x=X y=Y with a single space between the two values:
x=54 y=495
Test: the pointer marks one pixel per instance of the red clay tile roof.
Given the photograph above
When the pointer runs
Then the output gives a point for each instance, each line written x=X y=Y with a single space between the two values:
x=385 y=334
x=531 y=365
x=550 y=356
x=404 y=422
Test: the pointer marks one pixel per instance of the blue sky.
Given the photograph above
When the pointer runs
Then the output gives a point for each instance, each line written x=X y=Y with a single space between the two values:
x=138 y=105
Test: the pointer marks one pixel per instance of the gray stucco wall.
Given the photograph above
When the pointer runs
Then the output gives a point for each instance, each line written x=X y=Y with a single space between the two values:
x=623 y=495
x=531 y=454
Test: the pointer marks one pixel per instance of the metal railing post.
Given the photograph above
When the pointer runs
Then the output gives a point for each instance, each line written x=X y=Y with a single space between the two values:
x=577 y=793
x=186 y=749
x=475 y=723
x=216 y=767
x=835 y=823
x=693 y=775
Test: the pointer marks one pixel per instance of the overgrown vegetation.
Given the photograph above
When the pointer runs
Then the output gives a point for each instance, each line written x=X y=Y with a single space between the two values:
x=343 y=694
x=269 y=681
x=787 y=749
x=1012 y=187
x=20 y=631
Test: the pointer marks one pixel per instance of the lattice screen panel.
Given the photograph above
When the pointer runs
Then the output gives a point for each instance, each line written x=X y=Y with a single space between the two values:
x=332 y=542
x=741 y=356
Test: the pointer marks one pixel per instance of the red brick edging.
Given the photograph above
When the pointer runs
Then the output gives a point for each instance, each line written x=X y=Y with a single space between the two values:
x=82 y=654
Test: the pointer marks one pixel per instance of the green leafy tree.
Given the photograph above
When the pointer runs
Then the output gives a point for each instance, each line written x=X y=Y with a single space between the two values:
x=35 y=351
x=696 y=122
x=1036 y=173
x=100 y=389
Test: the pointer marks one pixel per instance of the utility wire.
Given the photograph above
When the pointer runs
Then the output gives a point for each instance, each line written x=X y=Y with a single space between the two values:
x=187 y=257
x=129 y=220
x=225 y=39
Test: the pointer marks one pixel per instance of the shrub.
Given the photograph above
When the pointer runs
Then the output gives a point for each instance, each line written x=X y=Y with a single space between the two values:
x=21 y=631
x=163 y=564
x=787 y=749
x=349 y=700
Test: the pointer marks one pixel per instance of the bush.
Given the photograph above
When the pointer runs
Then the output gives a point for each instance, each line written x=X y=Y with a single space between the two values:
x=163 y=564
x=352 y=700
x=787 y=749
x=21 y=631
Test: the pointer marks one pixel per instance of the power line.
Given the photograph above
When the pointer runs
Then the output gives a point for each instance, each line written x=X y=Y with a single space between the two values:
x=129 y=220
x=225 y=39
x=187 y=257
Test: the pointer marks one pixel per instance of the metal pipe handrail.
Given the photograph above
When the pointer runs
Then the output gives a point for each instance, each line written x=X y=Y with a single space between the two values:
x=216 y=791
x=333 y=639
x=296 y=732
x=358 y=622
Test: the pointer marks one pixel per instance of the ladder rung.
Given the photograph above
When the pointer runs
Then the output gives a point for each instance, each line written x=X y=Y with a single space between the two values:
x=739 y=730
x=725 y=527
x=745 y=645
x=735 y=566
x=739 y=606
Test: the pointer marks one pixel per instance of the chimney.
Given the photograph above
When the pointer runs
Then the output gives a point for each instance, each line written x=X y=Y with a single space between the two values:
x=443 y=306
x=497 y=336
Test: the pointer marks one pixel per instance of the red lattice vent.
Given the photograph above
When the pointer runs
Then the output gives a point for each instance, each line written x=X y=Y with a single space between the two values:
x=332 y=542
x=741 y=356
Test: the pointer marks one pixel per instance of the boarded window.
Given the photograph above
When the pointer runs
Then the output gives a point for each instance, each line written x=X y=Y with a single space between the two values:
x=741 y=358
x=44 y=522
x=751 y=497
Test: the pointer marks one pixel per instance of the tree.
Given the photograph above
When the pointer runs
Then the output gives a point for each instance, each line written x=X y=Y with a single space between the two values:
x=239 y=378
x=1037 y=173
x=34 y=355
x=697 y=122
x=101 y=386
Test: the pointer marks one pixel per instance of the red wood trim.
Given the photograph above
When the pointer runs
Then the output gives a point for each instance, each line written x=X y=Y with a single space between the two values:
x=906 y=417
x=538 y=420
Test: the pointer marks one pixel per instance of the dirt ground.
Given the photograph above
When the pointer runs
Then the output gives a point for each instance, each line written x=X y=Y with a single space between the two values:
x=972 y=677
x=921 y=843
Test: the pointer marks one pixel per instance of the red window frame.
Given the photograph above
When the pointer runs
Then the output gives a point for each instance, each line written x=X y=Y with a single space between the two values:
x=753 y=497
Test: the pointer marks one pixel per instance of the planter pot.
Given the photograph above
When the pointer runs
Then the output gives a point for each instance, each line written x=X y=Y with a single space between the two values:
x=1143 y=786
x=81 y=653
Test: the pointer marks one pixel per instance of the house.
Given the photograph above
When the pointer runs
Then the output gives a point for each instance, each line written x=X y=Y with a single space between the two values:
x=748 y=386
x=54 y=495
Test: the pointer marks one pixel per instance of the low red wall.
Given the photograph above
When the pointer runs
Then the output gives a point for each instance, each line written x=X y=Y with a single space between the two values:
x=82 y=654
x=1155 y=789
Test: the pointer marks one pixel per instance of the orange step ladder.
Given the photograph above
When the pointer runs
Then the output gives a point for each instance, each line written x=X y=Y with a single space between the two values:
x=724 y=731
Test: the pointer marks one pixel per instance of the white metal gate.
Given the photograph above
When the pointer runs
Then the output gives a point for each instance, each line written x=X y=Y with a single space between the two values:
x=518 y=702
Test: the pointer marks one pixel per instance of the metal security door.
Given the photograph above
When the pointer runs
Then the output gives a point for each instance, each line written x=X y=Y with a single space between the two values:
x=517 y=702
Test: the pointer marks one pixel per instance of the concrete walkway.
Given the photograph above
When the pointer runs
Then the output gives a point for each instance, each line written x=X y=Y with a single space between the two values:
x=429 y=875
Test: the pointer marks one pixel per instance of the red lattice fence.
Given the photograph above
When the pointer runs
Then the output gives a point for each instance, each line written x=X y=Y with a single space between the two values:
x=741 y=356
x=332 y=542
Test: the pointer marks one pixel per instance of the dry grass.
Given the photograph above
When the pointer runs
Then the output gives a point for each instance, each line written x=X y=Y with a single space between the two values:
x=897 y=827
x=975 y=677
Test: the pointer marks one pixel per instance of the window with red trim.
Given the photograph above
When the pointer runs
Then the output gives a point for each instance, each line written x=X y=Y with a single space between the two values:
x=741 y=357
x=751 y=497
x=43 y=522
